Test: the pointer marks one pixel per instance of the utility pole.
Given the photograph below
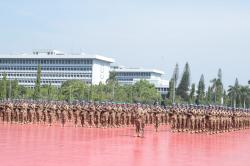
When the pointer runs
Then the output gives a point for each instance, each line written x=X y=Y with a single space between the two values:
x=10 y=96
x=131 y=100
x=174 y=92
x=113 y=92
x=70 y=94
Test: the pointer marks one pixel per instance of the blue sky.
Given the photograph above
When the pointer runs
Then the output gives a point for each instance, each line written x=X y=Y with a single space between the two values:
x=152 y=34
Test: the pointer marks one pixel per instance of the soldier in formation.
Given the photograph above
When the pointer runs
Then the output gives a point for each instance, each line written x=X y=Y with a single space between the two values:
x=99 y=115
x=208 y=119
x=181 y=118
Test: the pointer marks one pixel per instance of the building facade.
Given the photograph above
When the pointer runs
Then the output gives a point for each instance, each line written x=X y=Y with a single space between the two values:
x=56 y=67
x=128 y=76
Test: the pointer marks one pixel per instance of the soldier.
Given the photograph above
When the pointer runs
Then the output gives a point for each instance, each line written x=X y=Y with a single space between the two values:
x=197 y=119
x=146 y=114
x=214 y=120
x=184 y=118
x=13 y=114
x=1 y=112
x=70 y=114
x=179 y=118
x=105 y=116
x=157 y=117
x=32 y=113
x=123 y=115
x=8 y=109
x=133 y=115
x=112 y=116
x=64 y=114
x=230 y=119
x=44 y=114
x=40 y=113
x=189 y=118
x=91 y=114
x=84 y=115
x=51 y=114
x=57 y=112
x=118 y=115
x=193 y=119
x=25 y=113
x=139 y=121
x=129 y=117
x=167 y=119
x=203 y=119
x=98 y=116
x=76 y=114
x=174 y=121
x=209 y=120
x=16 y=112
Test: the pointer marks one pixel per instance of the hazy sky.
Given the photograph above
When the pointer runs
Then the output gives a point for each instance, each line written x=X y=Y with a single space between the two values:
x=209 y=34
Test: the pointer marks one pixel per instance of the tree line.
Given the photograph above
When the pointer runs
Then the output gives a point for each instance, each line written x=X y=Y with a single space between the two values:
x=214 y=94
x=72 y=90
x=180 y=91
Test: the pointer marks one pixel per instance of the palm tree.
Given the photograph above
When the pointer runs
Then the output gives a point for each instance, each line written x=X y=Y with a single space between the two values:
x=234 y=92
x=245 y=93
x=112 y=83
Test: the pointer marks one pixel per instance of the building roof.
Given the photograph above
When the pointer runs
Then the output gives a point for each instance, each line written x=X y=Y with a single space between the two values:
x=56 y=55
x=138 y=70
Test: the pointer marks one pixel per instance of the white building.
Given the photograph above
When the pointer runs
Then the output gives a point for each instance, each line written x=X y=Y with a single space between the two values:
x=56 y=67
x=132 y=75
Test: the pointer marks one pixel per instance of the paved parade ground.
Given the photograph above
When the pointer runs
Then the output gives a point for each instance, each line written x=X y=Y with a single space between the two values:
x=29 y=145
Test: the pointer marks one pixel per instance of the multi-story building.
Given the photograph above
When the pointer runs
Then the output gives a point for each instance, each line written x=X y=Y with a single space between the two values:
x=56 y=67
x=132 y=75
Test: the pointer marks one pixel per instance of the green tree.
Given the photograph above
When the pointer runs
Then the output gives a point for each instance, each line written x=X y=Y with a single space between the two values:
x=12 y=89
x=209 y=95
x=22 y=91
x=144 y=92
x=171 y=97
x=245 y=93
x=15 y=89
x=201 y=91
x=217 y=88
x=112 y=83
x=4 y=86
x=226 y=99
x=73 y=90
x=123 y=93
x=175 y=78
x=100 y=92
x=37 y=90
x=59 y=95
x=234 y=93
x=183 y=87
x=220 y=75
x=112 y=78
x=192 y=94
x=50 y=92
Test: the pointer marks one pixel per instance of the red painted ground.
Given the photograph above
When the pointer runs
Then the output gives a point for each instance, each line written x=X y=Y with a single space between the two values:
x=55 y=146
